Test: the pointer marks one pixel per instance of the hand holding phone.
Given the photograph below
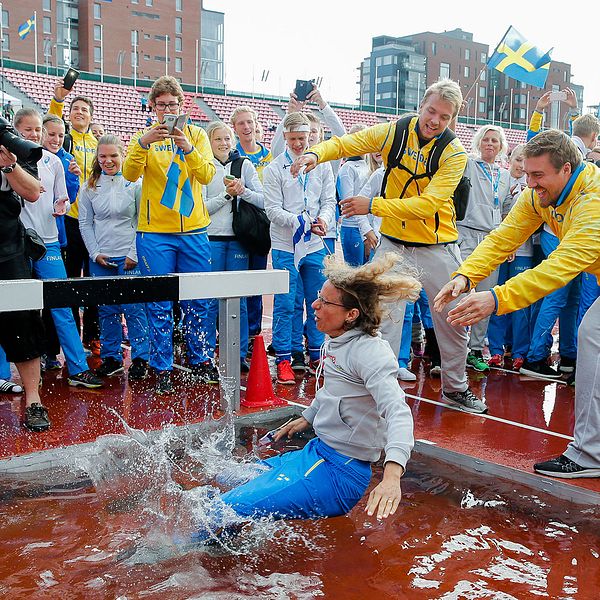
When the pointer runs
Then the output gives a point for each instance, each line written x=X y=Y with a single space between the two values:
x=303 y=88
x=558 y=96
x=70 y=78
x=175 y=122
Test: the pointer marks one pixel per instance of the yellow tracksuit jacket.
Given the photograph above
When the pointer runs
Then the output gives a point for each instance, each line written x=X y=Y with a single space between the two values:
x=84 y=150
x=152 y=164
x=576 y=222
x=426 y=214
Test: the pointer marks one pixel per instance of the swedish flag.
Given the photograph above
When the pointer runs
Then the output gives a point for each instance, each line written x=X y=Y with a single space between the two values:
x=178 y=186
x=26 y=27
x=517 y=58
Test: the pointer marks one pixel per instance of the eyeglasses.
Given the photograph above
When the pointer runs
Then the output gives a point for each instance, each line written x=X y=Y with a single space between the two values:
x=163 y=105
x=326 y=302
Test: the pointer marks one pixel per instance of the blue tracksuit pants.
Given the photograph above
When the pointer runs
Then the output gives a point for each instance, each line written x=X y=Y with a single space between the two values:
x=311 y=273
x=161 y=254
x=4 y=365
x=228 y=255
x=519 y=322
x=563 y=304
x=53 y=267
x=353 y=246
x=111 y=331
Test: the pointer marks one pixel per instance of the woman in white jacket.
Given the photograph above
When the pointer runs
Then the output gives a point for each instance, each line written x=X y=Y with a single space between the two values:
x=358 y=412
x=227 y=253
x=108 y=209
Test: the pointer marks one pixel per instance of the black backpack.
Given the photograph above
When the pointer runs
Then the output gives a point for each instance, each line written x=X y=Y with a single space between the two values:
x=461 y=193
x=250 y=223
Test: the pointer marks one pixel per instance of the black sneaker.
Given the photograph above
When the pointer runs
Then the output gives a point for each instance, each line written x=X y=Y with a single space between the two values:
x=298 y=362
x=163 y=383
x=110 y=366
x=85 y=379
x=36 y=417
x=538 y=368
x=565 y=468
x=138 y=369
x=571 y=379
x=244 y=367
x=567 y=365
x=271 y=350
x=466 y=401
x=206 y=372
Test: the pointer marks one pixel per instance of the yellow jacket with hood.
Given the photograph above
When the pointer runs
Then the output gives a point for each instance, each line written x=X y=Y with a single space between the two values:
x=152 y=163
x=575 y=220
x=84 y=150
x=425 y=215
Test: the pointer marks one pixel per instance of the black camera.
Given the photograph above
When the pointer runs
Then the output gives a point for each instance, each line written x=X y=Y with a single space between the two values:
x=23 y=149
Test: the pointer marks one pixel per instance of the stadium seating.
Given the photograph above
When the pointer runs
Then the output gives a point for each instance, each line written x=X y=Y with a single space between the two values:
x=118 y=107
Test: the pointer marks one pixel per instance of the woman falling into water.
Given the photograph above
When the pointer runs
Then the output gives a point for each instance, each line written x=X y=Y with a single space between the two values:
x=359 y=411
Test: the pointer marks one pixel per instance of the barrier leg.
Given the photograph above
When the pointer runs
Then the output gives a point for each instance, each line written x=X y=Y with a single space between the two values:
x=229 y=351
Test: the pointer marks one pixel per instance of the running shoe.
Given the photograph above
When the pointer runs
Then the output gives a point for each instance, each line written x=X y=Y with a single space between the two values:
x=475 y=361
x=110 y=366
x=8 y=387
x=517 y=363
x=36 y=417
x=164 y=386
x=565 y=468
x=298 y=362
x=567 y=365
x=50 y=363
x=405 y=375
x=285 y=375
x=496 y=360
x=85 y=379
x=313 y=365
x=244 y=367
x=538 y=368
x=466 y=401
x=206 y=372
x=138 y=369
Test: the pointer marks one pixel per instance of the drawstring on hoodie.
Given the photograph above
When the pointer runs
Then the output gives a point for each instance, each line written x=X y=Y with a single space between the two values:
x=322 y=355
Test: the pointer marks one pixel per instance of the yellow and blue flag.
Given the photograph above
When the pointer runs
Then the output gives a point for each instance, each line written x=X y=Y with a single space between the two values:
x=517 y=58
x=26 y=27
x=178 y=186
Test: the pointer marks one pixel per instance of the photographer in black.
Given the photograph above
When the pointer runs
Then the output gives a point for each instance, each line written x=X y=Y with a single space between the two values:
x=21 y=332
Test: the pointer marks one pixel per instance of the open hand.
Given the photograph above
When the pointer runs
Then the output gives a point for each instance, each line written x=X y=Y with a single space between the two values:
x=291 y=428
x=355 y=205
x=452 y=290
x=472 y=309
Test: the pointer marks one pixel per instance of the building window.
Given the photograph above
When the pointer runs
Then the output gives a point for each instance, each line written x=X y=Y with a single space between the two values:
x=484 y=57
x=134 y=37
x=146 y=57
x=149 y=3
x=433 y=48
x=5 y=19
x=482 y=107
x=97 y=54
x=178 y=5
x=467 y=54
x=178 y=44
x=467 y=72
x=178 y=64
x=97 y=33
x=97 y=11
x=147 y=36
x=135 y=1
x=47 y=5
x=5 y=42
x=47 y=24
x=482 y=76
x=566 y=77
x=482 y=92
x=178 y=25
x=444 y=70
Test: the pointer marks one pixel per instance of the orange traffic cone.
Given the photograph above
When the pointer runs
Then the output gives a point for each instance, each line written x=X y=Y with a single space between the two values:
x=259 y=387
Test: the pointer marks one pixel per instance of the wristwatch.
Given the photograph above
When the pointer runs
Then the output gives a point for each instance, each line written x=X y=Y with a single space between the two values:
x=9 y=168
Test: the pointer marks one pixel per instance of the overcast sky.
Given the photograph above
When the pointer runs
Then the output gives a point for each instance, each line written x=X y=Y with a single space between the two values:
x=305 y=40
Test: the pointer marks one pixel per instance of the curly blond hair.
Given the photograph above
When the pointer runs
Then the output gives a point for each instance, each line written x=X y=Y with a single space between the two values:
x=385 y=279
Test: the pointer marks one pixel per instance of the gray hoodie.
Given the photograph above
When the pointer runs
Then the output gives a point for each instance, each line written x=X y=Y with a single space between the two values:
x=361 y=409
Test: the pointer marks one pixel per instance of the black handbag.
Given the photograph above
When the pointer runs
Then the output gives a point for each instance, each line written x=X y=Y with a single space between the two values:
x=250 y=224
x=33 y=244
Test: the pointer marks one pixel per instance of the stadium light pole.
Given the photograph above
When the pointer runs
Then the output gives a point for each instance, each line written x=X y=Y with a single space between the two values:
x=120 y=61
x=196 y=66
x=134 y=57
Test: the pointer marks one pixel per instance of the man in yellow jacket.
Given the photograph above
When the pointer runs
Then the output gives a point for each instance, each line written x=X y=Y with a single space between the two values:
x=83 y=149
x=564 y=193
x=418 y=218
x=172 y=224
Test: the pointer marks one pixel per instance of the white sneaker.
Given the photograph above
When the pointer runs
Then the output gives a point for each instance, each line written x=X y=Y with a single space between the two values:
x=405 y=375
